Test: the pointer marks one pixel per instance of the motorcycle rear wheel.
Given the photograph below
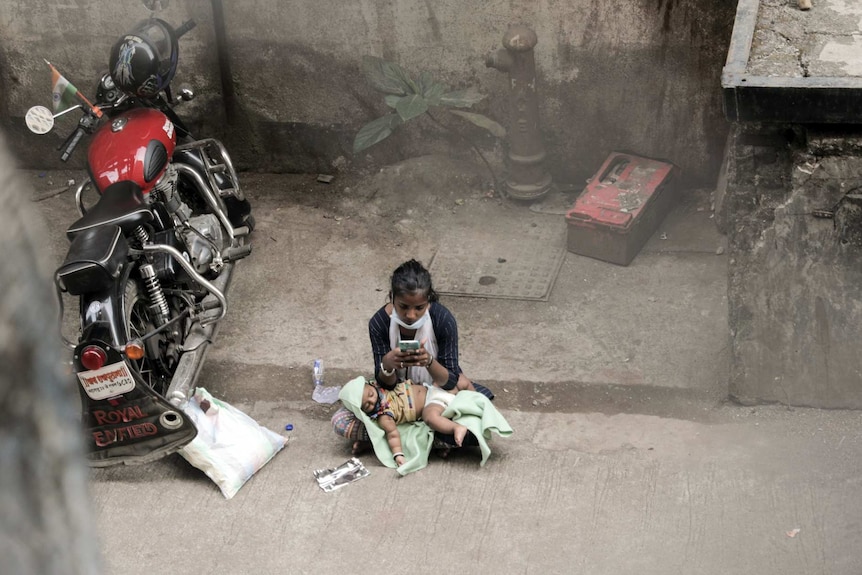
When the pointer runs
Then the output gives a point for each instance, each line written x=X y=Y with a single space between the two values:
x=161 y=355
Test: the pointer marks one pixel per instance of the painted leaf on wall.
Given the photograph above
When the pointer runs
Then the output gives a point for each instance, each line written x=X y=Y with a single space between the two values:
x=412 y=87
x=411 y=99
x=462 y=98
x=386 y=77
x=434 y=93
x=411 y=106
x=482 y=122
x=375 y=131
x=426 y=80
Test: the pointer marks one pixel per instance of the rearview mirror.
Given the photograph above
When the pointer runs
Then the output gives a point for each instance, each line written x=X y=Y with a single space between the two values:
x=39 y=120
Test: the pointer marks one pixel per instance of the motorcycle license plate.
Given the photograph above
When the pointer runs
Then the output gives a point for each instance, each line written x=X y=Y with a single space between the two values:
x=108 y=381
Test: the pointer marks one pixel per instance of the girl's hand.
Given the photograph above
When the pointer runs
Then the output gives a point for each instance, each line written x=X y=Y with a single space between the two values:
x=420 y=357
x=400 y=359
x=411 y=357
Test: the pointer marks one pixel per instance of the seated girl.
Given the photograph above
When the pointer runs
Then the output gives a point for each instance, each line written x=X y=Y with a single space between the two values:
x=412 y=313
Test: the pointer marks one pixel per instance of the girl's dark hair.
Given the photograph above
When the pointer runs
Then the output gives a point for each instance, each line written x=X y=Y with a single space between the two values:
x=411 y=277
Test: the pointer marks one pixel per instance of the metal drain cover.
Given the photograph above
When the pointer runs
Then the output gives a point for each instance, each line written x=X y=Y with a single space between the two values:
x=518 y=260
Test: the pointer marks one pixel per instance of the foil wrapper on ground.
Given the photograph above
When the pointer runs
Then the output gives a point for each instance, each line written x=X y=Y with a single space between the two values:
x=337 y=477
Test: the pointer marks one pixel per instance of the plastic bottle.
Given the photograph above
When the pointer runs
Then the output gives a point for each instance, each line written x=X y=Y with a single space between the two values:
x=321 y=393
x=317 y=372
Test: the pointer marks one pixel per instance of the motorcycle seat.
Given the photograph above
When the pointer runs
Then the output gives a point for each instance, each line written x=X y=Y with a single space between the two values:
x=94 y=261
x=121 y=204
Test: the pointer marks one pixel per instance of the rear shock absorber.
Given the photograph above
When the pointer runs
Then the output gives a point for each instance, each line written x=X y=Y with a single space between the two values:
x=158 y=303
x=141 y=235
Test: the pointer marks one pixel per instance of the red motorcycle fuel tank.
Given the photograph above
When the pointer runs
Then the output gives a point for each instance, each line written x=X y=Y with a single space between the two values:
x=136 y=145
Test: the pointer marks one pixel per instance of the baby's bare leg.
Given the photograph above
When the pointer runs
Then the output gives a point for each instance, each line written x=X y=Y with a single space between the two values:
x=432 y=414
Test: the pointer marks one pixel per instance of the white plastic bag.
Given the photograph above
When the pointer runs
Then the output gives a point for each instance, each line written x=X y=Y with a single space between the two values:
x=230 y=446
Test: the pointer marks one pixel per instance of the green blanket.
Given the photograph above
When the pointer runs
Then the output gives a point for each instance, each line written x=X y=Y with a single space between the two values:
x=469 y=408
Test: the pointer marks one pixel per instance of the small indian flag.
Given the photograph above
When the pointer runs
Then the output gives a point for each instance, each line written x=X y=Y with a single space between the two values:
x=63 y=91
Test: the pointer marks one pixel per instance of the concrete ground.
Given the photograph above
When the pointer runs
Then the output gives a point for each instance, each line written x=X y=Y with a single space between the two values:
x=625 y=459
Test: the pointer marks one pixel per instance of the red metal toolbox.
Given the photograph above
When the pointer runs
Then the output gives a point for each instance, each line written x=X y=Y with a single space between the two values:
x=620 y=208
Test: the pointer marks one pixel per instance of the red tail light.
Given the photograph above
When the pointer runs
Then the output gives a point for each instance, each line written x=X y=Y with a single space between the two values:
x=93 y=357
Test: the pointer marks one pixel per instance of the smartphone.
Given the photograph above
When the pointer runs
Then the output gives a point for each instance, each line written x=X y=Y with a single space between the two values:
x=408 y=344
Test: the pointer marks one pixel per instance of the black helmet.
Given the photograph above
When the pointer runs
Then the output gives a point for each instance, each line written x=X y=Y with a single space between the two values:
x=143 y=62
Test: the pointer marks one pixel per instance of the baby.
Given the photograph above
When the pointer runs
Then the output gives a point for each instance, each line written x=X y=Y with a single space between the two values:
x=409 y=402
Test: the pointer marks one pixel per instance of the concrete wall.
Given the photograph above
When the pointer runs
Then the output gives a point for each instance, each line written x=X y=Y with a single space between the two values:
x=795 y=275
x=641 y=75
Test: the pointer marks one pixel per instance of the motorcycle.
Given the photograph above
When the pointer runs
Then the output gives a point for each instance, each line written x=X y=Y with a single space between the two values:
x=151 y=260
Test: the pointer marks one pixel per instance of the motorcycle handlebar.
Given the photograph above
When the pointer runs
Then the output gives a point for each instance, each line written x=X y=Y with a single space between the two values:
x=186 y=26
x=69 y=145
x=88 y=122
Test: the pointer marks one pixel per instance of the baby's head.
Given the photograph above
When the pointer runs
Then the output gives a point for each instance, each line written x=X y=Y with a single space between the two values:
x=370 y=399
